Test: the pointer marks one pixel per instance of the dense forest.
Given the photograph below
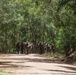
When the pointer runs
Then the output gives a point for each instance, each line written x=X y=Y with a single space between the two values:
x=38 y=21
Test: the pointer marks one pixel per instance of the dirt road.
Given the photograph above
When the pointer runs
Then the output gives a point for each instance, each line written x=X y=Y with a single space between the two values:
x=33 y=64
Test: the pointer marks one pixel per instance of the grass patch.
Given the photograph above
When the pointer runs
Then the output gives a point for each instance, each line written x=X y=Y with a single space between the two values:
x=3 y=73
x=55 y=55
x=49 y=54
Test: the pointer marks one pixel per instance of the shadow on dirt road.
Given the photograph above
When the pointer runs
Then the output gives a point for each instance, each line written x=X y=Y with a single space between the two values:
x=34 y=64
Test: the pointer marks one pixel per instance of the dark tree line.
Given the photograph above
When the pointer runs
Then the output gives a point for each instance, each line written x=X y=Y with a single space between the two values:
x=38 y=21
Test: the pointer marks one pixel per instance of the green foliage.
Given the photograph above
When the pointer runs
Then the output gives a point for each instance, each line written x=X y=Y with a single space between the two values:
x=47 y=21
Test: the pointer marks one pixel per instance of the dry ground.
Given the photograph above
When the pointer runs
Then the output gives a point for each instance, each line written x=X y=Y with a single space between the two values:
x=33 y=64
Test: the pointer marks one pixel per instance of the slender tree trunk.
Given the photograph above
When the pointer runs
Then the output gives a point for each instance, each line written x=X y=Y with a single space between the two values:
x=14 y=39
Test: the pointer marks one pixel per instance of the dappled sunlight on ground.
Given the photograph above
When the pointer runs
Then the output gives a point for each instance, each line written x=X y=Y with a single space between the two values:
x=34 y=64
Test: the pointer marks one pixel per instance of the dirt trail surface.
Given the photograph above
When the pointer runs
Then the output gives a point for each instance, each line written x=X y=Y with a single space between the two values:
x=33 y=64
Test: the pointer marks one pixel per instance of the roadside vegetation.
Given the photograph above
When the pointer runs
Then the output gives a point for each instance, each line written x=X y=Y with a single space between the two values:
x=39 y=21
